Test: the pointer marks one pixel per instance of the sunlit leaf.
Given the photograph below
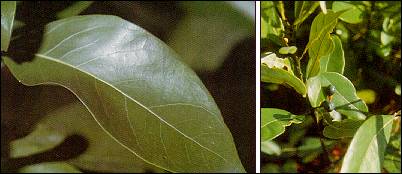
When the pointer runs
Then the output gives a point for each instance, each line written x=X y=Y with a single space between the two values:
x=127 y=77
x=278 y=70
x=366 y=151
x=320 y=41
x=344 y=95
x=270 y=147
x=354 y=13
x=7 y=20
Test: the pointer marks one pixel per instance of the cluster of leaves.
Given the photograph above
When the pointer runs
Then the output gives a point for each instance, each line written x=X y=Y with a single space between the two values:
x=138 y=107
x=368 y=135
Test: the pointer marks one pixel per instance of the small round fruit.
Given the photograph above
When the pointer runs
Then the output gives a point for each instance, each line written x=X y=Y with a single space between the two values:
x=284 y=50
x=331 y=90
x=328 y=106
x=292 y=49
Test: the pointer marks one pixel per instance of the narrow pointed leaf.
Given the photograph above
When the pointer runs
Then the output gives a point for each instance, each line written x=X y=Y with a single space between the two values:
x=303 y=9
x=137 y=91
x=335 y=61
x=320 y=41
x=274 y=121
x=345 y=93
x=7 y=19
x=74 y=9
x=366 y=151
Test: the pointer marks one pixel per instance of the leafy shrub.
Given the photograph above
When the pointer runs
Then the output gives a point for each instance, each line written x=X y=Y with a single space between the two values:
x=326 y=125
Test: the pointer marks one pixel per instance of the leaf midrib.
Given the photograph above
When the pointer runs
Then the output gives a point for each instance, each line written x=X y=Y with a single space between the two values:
x=137 y=102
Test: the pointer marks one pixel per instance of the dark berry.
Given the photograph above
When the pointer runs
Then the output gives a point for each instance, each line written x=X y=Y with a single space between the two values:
x=328 y=106
x=331 y=90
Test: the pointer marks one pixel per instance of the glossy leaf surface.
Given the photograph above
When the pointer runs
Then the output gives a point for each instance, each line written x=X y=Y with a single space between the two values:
x=366 y=151
x=345 y=93
x=137 y=91
x=7 y=19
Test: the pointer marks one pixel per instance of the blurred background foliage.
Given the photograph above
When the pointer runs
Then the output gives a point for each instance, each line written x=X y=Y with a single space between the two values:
x=41 y=127
x=370 y=33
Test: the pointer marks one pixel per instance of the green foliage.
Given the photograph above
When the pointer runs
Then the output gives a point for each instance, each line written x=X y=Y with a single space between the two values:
x=147 y=124
x=278 y=70
x=320 y=41
x=344 y=94
x=7 y=20
x=274 y=121
x=337 y=38
x=137 y=105
x=354 y=13
x=366 y=151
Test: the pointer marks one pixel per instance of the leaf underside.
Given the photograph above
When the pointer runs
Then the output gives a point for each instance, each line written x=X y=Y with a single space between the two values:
x=137 y=91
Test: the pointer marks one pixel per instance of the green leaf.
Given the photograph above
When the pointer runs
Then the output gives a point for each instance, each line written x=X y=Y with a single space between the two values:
x=74 y=9
x=278 y=70
x=272 y=27
x=59 y=119
x=274 y=121
x=208 y=32
x=303 y=9
x=270 y=147
x=345 y=94
x=386 y=38
x=7 y=19
x=343 y=129
x=366 y=151
x=320 y=42
x=392 y=163
x=49 y=167
x=335 y=61
x=127 y=77
x=354 y=13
